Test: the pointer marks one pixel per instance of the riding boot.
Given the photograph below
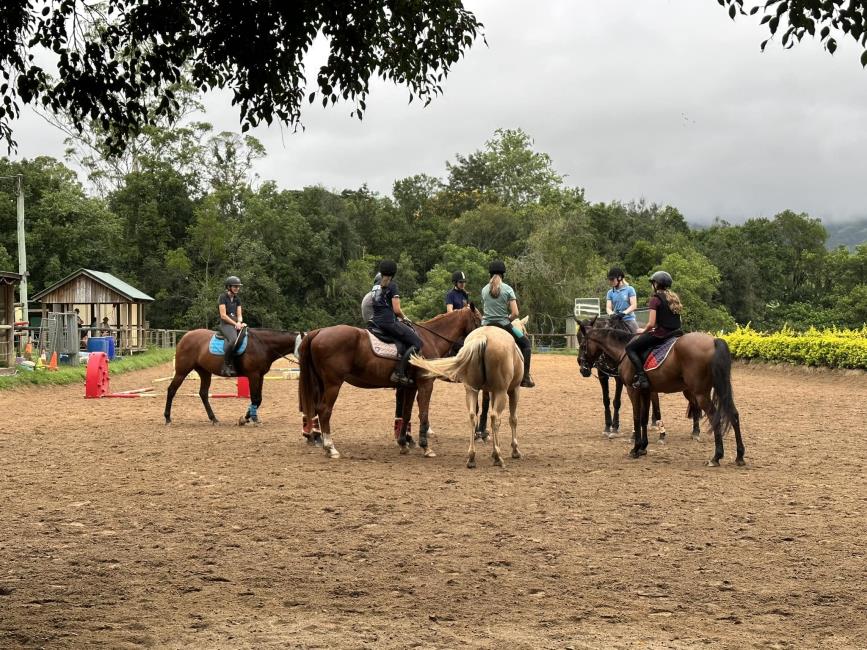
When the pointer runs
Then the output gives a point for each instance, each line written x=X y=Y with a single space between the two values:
x=527 y=381
x=228 y=357
x=398 y=375
x=641 y=381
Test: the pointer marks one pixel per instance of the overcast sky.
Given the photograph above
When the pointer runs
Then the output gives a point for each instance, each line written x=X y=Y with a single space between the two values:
x=666 y=100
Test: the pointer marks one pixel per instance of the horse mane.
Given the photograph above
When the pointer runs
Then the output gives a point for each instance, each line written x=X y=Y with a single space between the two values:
x=605 y=333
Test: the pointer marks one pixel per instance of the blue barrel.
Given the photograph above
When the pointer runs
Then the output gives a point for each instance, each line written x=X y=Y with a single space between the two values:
x=101 y=344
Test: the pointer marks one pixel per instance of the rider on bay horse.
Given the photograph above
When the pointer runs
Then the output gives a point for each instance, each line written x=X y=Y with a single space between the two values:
x=231 y=321
x=662 y=324
x=386 y=311
x=501 y=308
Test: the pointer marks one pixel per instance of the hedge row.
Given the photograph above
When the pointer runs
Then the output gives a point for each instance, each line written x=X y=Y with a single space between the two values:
x=835 y=348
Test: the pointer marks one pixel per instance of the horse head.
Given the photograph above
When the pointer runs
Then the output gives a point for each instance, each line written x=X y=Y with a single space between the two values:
x=589 y=350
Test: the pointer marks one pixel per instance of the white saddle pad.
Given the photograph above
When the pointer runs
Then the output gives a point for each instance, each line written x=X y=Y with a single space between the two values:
x=380 y=349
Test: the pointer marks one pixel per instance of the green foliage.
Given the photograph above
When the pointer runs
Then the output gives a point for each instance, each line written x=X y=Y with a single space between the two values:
x=125 y=60
x=836 y=348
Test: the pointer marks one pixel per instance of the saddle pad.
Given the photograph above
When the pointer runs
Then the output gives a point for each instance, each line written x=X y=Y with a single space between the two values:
x=380 y=349
x=217 y=346
x=659 y=354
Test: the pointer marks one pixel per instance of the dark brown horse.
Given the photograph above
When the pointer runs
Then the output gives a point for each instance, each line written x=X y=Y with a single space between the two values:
x=338 y=354
x=264 y=347
x=699 y=365
x=606 y=369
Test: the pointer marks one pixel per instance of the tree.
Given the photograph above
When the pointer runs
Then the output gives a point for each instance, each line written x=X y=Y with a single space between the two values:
x=112 y=56
x=827 y=18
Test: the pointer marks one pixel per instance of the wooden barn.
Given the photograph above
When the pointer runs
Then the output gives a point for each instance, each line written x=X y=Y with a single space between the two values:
x=8 y=282
x=98 y=296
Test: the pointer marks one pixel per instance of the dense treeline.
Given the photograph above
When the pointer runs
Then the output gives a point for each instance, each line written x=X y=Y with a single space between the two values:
x=185 y=212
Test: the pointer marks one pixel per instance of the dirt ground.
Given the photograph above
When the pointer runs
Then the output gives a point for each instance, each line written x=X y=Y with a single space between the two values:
x=119 y=532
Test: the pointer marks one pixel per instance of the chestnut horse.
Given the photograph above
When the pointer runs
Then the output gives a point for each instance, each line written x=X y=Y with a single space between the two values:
x=337 y=354
x=264 y=347
x=698 y=365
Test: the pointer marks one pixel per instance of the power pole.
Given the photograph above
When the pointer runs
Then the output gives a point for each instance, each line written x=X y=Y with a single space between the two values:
x=22 y=254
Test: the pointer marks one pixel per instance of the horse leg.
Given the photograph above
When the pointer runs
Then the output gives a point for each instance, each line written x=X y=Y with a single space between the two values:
x=606 y=402
x=398 y=412
x=498 y=404
x=513 y=422
x=424 y=394
x=706 y=405
x=695 y=413
x=736 y=425
x=256 y=380
x=481 y=427
x=472 y=398
x=170 y=394
x=618 y=392
x=657 y=417
x=204 y=387
x=404 y=438
x=324 y=410
x=636 y=397
x=645 y=418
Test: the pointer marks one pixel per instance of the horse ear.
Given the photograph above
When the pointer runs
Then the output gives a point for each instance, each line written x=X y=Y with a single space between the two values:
x=524 y=320
x=593 y=321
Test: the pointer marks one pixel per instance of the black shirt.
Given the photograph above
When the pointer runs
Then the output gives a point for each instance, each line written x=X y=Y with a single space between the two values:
x=231 y=304
x=383 y=312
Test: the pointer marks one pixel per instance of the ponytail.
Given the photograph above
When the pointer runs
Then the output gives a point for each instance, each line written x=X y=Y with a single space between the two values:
x=496 y=281
x=673 y=301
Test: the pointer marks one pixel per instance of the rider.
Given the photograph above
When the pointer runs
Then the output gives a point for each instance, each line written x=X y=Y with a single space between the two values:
x=386 y=311
x=231 y=321
x=457 y=298
x=621 y=301
x=663 y=323
x=501 y=308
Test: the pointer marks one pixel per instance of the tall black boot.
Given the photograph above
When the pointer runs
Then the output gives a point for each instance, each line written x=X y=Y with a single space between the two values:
x=398 y=375
x=641 y=381
x=228 y=358
x=527 y=381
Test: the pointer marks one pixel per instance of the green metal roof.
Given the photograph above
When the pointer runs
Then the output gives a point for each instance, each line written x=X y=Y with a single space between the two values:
x=112 y=282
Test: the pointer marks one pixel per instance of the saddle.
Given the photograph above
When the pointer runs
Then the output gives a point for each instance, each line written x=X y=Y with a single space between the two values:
x=384 y=345
x=654 y=357
x=217 y=344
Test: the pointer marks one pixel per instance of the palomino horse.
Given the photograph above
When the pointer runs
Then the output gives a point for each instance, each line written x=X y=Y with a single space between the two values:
x=264 y=347
x=698 y=365
x=606 y=368
x=333 y=355
x=489 y=361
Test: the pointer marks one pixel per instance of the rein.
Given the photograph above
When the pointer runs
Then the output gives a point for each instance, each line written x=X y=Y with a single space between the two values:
x=428 y=329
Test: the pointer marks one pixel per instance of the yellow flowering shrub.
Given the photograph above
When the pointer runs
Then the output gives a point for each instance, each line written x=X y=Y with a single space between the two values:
x=836 y=348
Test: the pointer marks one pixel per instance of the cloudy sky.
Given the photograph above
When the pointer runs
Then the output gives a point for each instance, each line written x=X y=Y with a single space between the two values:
x=666 y=100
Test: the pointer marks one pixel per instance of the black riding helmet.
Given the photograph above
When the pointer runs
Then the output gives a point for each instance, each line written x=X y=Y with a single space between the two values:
x=497 y=267
x=662 y=279
x=616 y=273
x=233 y=280
x=388 y=267
x=458 y=276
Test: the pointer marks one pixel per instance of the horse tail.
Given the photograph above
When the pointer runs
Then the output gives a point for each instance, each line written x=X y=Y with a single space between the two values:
x=454 y=368
x=309 y=383
x=723 y=398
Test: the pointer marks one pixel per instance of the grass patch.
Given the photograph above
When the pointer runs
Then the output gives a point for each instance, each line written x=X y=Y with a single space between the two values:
x=66 y=375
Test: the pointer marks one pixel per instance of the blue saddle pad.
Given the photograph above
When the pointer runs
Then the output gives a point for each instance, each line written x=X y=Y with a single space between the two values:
x=218 y=346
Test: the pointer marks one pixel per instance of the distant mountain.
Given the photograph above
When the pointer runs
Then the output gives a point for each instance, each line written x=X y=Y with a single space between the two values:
x=848 y=234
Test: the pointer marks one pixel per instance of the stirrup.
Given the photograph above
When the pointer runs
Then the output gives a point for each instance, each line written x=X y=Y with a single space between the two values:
x=527 y=382
x=641 y=382
x=400 y=380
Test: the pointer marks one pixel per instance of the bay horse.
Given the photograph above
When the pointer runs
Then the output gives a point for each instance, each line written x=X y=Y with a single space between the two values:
x=698 y=365
x=490 y=361
x=606 y=369
x=333 y=355
x=264 y=347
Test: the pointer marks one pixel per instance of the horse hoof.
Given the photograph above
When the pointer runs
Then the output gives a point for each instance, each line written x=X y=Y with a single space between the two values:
x=471 y=464
x=404 y=450
x=613 y=435
x=241 y=421
x=696 y=437
x=499 y=462
x=215 y=422
x=333 y=453
x=634 y=453
x=713 y=463
x=517 y=454
x=661 y=440
x=429 y=453
x=740 y=462
x=642 y=452
x=411 y=443
x=168 y=421
x=317 y=441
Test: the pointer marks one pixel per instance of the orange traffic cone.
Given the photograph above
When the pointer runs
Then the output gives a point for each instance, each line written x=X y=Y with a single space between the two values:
x=52 y=365
x=28 y=350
